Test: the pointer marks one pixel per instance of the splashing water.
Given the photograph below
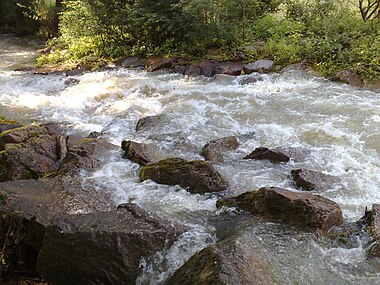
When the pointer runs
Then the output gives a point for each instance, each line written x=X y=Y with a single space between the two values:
x=337 y=123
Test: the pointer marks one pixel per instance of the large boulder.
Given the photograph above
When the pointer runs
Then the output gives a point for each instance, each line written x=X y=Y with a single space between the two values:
x=102 y=248
x=136 y=152
x=75 y=235
x=30 y=152
x=28 y=206
x=196 y=176
x=6 y=125
x=230 y=262
x=229 y=68
x=349 y=76
x=214 y=150
x=261 y=66
x=204 y=67
x=313 y=180
x=278 y=154
x=297 y=208
x=87 y=154
x=160 y=63
x=37 y=151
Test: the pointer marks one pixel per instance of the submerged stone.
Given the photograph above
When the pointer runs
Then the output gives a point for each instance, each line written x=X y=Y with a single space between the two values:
x=196 y=176
x=313 y=180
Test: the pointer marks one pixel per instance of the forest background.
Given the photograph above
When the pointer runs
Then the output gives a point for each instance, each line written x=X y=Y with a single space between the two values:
x=330 y=35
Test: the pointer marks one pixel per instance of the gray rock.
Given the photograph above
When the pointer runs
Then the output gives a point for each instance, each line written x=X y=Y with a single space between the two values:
x=313 y=180
x=136 y=152
x=144 y=124
x=349 y=76
x=262 y=66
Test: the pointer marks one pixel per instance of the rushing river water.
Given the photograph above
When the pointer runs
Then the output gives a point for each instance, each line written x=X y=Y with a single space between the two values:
x=339 y=124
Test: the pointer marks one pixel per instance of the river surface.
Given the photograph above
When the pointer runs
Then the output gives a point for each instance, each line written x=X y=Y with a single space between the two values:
x=338 y=124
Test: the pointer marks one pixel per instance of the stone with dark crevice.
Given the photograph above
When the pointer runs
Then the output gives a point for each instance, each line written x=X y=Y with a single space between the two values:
x=309 y=180
x=6 y=125
x=261 y=66
x=136 y=152
x=301 y=209
x=195 y=176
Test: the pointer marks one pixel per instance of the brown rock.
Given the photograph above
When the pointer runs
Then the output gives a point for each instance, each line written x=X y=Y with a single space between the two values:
x=6 y=125
x=230 y=262
x=278 y=154
x=147 y=123
x=374 y=230
x=136 y=152
x=102 y=248
x=313 y=180
x=195 y=176
x=204 y=67
x=301 y=209
x=160 y=63
x=213 y=151
x=349 y=76
x=229 y=68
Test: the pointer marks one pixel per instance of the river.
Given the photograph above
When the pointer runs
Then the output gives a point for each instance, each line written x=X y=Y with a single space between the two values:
x=338 y=124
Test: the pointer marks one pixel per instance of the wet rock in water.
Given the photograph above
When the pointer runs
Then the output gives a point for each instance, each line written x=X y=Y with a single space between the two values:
x=71 y=82
x=195 y=176
x=136 y=152
x=261 y=66
x=94 y=135
x=6 y=125
x=297 y=208
x=160 y=63
x=180 y=69
x=102 y=248
x=30 y=152
x=313 y=180
x=229 y=68
x=213 y=151
x=133 y=62
x=251 y=80
x=204 y=67
x=349 y=76
x=76 y=72
x=27 y=207
x=230 y=262
x=147 y=123
x=278 y=154
x=373 y=229
x=74 y=235
x=87 y=154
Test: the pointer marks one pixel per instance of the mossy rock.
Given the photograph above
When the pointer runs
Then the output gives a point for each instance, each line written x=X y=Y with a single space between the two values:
x=196 y=176
x=233 y=261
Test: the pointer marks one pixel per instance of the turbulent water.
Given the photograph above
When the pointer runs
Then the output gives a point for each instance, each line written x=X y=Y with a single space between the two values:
x=340 y=125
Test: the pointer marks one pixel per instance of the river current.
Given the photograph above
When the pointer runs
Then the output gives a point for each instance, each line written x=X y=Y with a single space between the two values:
x=338 y=124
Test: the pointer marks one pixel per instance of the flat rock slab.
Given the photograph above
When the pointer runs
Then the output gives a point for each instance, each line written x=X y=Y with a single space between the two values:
x=313 y=180
x=213 y=151
x=195 y=176
x=297 y=208
x=101 y=248
x=278 y=154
